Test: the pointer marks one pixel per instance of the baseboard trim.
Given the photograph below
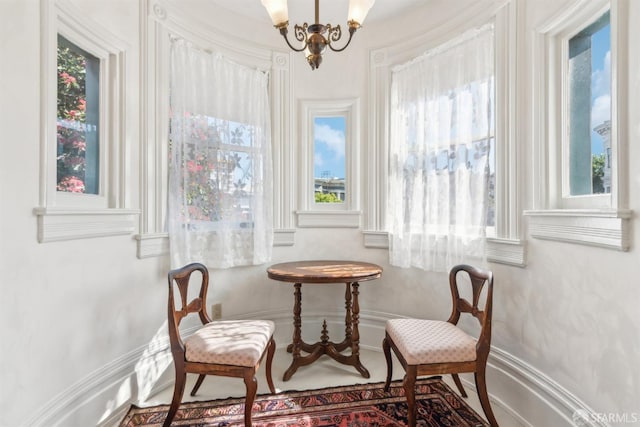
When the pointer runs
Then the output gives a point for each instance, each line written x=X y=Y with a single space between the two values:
x=527 y=394
x=554 y=404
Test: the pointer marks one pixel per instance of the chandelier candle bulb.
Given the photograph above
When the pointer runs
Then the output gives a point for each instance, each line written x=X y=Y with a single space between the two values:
x=278 y=11
x=358 y=10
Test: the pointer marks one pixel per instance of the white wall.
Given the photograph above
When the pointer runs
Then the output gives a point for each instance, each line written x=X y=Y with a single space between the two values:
x=79 y=317
x=69 y=309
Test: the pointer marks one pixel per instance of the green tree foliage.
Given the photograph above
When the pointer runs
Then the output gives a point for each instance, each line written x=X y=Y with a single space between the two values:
x=597 y=173
x=71 y=118
x=327 y=198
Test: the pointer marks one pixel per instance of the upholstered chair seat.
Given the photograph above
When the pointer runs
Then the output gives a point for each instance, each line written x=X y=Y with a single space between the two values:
x=229 y=342
x=431 y=341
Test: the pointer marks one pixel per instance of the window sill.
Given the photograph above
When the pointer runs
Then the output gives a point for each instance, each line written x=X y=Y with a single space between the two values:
x=328 y=219
x=284 y=237
x=506 y=251
x=154 y=245
x=376 y=239
x=606 y=228
x=502 y=251
x=55 y=224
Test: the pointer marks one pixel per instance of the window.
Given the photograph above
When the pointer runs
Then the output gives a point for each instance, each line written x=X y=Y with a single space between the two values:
x=329 y=145
x=159 y=26
x=504 y=242
x=442 y=136
x=78 y=119
x=329 y=160
x=589 y=84
x=83 y=184
x=220 y=203
x=581 y=164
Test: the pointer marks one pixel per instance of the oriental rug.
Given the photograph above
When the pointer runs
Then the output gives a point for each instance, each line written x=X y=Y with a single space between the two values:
x=344 y=406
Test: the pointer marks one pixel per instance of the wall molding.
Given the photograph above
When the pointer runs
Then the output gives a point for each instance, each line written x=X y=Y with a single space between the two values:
x=284 y=237
x=328 y=219
x=69 y=224
x=605 y=228
x=157 y=244
x=551 y=405
x=152 y=245
x=519 y=388
x=507 y=251
x=501 y=251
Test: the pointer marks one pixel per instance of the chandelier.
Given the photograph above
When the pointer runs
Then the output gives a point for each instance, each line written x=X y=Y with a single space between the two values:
x=315 y=38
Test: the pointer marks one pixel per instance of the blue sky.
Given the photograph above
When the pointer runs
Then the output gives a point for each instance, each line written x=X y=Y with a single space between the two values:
x=601 y=83
x=329 y=147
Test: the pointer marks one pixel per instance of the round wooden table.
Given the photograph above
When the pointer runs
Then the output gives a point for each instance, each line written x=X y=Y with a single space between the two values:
x=326 y=272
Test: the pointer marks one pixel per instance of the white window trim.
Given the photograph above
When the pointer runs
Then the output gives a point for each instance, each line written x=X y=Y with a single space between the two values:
x=590 y=220
x=157 y=21
x=506 y=247
x=336 y=215
x=64 y=216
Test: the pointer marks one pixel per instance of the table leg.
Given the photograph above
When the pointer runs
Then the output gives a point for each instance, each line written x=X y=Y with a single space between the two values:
x=346 y=343
x=355 y=336
x=297 y=334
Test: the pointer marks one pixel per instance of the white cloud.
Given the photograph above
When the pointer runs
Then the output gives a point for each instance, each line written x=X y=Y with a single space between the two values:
x=318 y=160
x=334 y=139
x=601 y=110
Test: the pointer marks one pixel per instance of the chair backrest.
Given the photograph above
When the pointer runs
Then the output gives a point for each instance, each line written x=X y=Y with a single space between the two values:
x=478 y=279
x=181 y=278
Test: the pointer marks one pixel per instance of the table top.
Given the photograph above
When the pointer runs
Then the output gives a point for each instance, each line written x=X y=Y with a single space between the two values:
x=324 y=271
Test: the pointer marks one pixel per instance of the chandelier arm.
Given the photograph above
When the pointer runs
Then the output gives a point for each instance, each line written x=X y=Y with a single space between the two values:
x=351 y=31
x=299 y=36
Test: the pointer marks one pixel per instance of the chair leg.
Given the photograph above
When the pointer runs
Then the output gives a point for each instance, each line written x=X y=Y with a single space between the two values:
x=270 y=352
x=481 y=387
x=387 y=355
x=409 y=385
x=197 y=385
x=178 y=391
x=456 y=379
x=252 y=387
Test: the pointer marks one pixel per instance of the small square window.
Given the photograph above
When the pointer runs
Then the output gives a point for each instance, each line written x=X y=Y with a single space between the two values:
x=78 y=119
x=589 y=86
x=329 y=155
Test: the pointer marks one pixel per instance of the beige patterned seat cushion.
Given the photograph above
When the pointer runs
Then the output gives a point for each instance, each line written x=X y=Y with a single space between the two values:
x=431 y=341
x=230 y=342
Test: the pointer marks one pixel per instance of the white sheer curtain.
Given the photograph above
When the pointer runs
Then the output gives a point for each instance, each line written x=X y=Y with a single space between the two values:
x=220 y=189
x=441 y=138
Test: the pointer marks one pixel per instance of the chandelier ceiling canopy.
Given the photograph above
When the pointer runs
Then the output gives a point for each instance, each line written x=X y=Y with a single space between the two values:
x=315 y=38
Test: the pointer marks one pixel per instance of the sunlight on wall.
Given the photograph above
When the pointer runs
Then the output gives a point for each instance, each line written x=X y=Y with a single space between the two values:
x=153 y=362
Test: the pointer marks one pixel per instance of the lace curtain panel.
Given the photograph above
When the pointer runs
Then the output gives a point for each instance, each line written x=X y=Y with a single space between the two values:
x=441 y=143
x=220 y=191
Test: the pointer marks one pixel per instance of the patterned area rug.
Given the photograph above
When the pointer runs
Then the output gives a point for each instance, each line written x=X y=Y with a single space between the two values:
x=354 y=406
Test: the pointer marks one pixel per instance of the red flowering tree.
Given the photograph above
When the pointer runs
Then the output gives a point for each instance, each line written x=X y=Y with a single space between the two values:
x=71 y=121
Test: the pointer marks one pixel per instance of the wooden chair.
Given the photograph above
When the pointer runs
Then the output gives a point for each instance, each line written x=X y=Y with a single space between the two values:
x=232 y=348
x=432 y=347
